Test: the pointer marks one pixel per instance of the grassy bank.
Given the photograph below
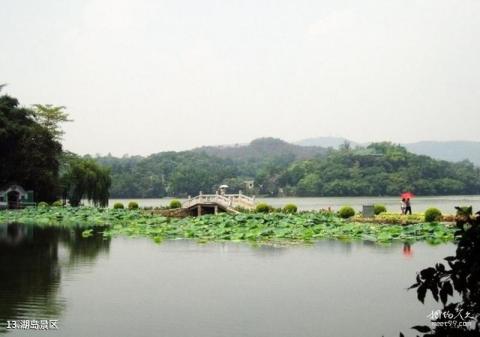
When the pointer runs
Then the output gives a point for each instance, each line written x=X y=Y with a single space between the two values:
x=261 y=228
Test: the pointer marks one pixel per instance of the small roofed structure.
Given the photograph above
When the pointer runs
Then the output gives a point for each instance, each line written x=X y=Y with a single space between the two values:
x=249 y=184
x=222 y=189
x=14 y=196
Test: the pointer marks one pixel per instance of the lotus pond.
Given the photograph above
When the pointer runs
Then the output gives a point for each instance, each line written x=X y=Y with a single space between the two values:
x=303 y=227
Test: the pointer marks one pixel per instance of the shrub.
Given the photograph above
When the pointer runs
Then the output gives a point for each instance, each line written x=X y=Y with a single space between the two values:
x=175 y=203
x=42 y=204
x=432 y=215
x=57 y=203
x=378 y=209
x=346 y=212
x=118 y=205
x=132 y=205
x=263 y=208
x=290 y=208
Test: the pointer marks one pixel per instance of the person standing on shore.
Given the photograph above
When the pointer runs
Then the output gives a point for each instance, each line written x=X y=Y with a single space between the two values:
x=408 y=208
x=403 y=206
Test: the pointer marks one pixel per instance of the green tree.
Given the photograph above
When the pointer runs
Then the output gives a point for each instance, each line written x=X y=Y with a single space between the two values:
x=50 y=117
x=29 y=152
x=309 y=185
x=85 y=179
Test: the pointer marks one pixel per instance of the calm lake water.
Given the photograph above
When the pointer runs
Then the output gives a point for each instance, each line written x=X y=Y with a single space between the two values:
x=419 y=204
x=134 y=287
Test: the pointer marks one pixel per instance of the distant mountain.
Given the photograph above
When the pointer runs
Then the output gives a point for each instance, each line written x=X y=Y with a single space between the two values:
x=448 y=150
x=333 y=142
x=453 y=151
x=263 y=148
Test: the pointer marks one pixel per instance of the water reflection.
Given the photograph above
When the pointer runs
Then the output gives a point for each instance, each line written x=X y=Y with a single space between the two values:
x=407 y=250
x=181 y=288
x=30 y=268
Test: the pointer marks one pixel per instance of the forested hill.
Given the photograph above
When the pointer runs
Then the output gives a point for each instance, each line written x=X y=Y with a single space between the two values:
x=379 y=169
x=262 y=148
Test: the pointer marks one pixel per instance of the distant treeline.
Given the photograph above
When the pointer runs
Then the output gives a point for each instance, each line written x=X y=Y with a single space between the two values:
x=279 y=168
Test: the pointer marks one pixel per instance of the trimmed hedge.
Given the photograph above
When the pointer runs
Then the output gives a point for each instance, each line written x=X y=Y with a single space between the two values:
x=433 y=214
x=290 y=208
x=346 y=212
x=118 y=205
x=175 y=204
x=132 y=205
x=263 y=208
x=378 y=209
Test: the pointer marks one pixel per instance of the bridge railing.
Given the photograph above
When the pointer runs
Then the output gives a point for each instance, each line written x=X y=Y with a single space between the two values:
x=227 y=200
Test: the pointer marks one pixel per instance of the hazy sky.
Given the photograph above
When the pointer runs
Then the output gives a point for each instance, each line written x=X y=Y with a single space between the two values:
x=143 y=76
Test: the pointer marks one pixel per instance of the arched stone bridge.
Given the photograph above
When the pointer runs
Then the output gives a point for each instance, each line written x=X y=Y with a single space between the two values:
x=215 y=203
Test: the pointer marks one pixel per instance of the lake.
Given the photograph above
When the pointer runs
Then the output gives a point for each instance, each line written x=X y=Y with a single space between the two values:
x=134 y=287
x=419 y=204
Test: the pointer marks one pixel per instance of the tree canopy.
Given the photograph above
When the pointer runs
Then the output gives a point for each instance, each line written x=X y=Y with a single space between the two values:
x=84 y=179
x=50 y=117
x=29 y=152
x=380 y=169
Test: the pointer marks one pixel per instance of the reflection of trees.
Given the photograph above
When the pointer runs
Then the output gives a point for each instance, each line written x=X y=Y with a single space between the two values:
x=83 y=249
x=30 y=272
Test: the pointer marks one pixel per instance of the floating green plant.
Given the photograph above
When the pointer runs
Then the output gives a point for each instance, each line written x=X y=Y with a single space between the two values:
x=253 y=227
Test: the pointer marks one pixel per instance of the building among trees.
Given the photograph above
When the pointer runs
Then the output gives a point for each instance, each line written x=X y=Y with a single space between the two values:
x=15 y=196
